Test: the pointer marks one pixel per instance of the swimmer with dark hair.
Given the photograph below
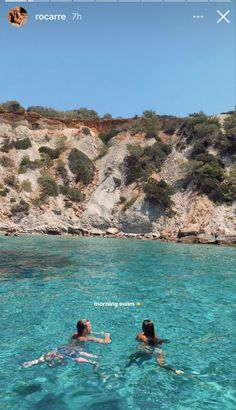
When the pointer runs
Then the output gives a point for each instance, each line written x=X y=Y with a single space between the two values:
x=150 y=345
x=84 y=330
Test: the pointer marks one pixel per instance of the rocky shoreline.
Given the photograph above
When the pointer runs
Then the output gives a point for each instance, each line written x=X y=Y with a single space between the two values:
x=183 y=236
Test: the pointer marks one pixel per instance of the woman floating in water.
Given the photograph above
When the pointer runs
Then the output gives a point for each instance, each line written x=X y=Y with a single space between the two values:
x=72 y=352
x=150 y=345
x=84 y=329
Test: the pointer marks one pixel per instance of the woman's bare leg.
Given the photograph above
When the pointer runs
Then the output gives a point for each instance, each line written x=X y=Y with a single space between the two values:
x=160 y=359
x=82 y=360
x=88 y=354
x=34 y=362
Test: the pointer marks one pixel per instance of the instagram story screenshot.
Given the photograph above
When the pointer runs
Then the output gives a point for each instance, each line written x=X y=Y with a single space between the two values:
x=118 y=204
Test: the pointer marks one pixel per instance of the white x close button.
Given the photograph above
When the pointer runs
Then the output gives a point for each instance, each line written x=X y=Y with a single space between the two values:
x=223 y=17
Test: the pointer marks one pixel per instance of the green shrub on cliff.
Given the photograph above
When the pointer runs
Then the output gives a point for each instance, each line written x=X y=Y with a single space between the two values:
x=86 y=131
x=207 y=176
x=7 y=145
x=200 y=128
x=150 y=124
x=107 y=116
x=10 y=180
x=198 y=148
x=22 y=207
x=52 y=153
x=73 y=193
x=209 y=159
x=26 y=185
x=3 y=190
x=23 y=143
x=11 y=106
x=157 y=153
x=230 y=185
x=207 y=172
x=84 y=114
x=81 y=166
x=38 y=201
x=209 y=132
x=27 y=163
x=6 y=162
x=143 y=161
x=44 y=111
x=135 y=167
x=48 y=184
x=61 y=169
x=171 y=124
x=228 y=141
x=159 y=193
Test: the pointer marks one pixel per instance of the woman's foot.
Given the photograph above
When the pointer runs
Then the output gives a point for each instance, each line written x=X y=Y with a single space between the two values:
x=27 y=364
x=179 y=372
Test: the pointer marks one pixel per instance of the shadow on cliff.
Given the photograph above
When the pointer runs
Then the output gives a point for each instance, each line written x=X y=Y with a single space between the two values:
x=140 y=218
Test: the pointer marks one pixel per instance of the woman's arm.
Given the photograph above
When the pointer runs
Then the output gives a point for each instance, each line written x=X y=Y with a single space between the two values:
x=141 y=337
x=106 y=339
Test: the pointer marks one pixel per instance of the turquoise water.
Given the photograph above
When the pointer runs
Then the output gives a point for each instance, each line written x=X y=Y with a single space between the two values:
x=48 y=283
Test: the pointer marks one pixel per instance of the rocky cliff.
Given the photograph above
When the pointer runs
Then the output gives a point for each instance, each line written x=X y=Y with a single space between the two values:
x=41 y=192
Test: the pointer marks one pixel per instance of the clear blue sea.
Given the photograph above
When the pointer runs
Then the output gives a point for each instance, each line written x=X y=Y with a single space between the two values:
x=48 y=283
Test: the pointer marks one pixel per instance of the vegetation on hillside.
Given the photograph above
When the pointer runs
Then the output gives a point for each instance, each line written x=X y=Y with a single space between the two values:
x=141 y=162
x=26 y=162
x=82 y=114
x=3 y=190
x=6 y=162
x=26 y=185
x=11 y=106
x=81 y=166
x=61 y=170
x=209 y=144
x=228 y=142
x=6 y=144
x=207 y=171
x=52 y=153
x=10 y=180
x=200 y=128
x=159 y=193
x=73 y=193
x=48 y=185
x=148 y=124
x=20 y=209
x=23 y=143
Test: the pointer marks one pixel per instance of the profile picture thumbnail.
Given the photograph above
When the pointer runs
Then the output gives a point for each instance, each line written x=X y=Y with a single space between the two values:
x=17 y=16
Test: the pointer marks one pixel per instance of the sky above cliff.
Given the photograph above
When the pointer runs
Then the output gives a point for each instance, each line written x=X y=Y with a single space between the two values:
x=121 y=58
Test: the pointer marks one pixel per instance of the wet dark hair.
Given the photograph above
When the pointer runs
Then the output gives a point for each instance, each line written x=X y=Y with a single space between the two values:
x=149 y=332
x=81 y=326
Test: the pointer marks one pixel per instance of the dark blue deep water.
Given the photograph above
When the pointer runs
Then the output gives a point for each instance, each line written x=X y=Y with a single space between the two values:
x=48 y=283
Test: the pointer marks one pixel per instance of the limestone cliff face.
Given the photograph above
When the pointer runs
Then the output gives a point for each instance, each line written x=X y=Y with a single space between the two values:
x=108 y=201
